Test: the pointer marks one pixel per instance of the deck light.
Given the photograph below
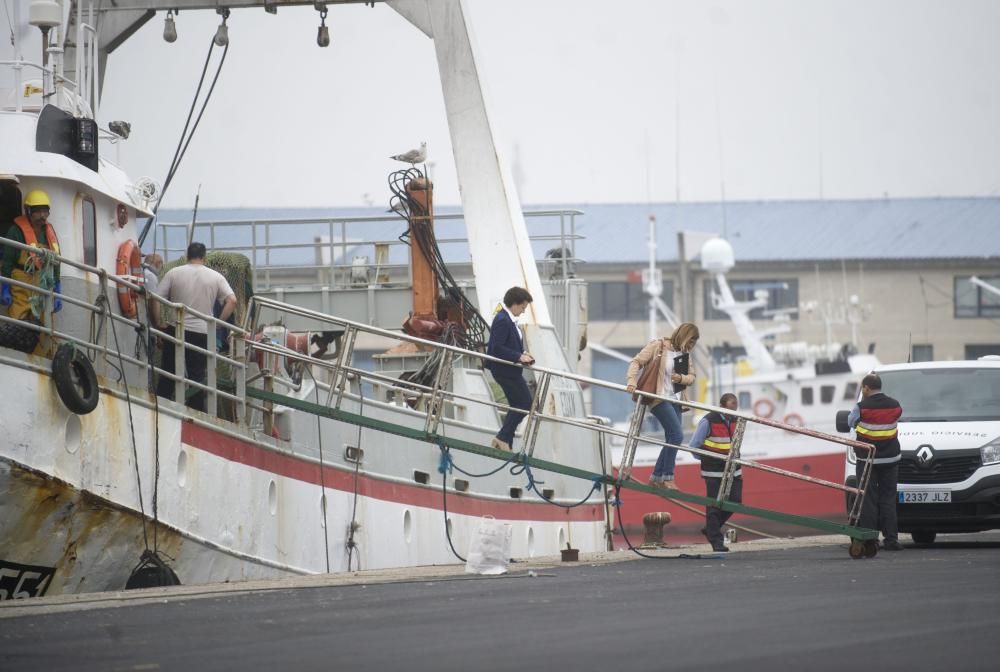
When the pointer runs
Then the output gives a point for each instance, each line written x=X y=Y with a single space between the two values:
x=169 y=29
x=323 y=33
x=222 y=33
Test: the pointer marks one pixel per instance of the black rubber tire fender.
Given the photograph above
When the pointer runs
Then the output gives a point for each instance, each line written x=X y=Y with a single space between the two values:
x=75 y=380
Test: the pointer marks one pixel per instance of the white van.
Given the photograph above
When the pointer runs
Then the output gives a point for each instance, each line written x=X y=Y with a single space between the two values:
x=949 y=473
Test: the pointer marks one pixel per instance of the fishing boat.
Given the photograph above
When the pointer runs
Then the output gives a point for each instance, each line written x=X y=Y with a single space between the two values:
x=103 y=484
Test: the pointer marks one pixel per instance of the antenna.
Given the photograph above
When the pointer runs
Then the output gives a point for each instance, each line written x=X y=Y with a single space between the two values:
x=909 y=346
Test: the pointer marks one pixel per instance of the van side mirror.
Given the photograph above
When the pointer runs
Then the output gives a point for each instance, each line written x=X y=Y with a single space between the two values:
x=842 y=425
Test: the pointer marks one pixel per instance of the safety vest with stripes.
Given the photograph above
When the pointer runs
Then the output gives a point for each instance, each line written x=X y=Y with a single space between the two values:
x=719 y=440
x=877 y=425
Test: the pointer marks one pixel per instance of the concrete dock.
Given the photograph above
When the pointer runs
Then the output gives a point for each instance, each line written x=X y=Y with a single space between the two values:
x=770 y=605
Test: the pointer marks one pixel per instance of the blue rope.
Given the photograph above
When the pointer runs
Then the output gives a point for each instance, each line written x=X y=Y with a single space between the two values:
x=445 y=464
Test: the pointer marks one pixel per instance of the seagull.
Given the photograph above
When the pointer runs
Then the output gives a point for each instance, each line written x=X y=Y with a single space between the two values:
x=414 y=156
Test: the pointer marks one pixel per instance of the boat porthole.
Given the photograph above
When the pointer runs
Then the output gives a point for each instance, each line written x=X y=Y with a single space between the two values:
x=531 y=543
x=182 y=468
x=272 y=498
x=74 y=433
x=407 y=526
x=561 y=540
x=322 y=510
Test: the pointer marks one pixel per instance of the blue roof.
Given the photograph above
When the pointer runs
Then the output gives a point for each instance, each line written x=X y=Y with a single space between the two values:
x=909 y=228
x=916 y=228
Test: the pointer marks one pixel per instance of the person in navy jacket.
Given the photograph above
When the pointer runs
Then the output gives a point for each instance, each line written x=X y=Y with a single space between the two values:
x=507 y=342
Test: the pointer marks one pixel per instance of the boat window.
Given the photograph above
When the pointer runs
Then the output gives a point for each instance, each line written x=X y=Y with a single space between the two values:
x=89 y=231
x=807 y=396
x=945 y=395
x=851 y=392
x=826 y=393
x=744 y=400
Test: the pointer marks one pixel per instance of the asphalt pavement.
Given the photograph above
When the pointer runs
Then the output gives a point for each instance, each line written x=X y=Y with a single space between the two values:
x=778 y=608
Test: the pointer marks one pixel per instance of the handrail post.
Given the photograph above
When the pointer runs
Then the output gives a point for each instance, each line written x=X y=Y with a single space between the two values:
x=537 y=407
x=435 y=404
x=239 y=354
x=344 y=354
x=211 y=369
x=857 y=505
x=180 y=349
x=731 y=460
x=631 y=441
x=268 y=405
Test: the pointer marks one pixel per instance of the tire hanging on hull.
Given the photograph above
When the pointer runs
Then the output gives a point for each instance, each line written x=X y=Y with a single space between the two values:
x=75 y=380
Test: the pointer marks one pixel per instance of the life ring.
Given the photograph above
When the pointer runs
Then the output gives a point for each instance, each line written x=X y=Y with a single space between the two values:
x=763 y=408
x=129 y=263
x=794 y=419
x=75 y=379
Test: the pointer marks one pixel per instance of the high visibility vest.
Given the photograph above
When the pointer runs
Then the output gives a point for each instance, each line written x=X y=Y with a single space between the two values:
x=879 y=414
x=719 y=440
x=877 y=425
x=28 y=231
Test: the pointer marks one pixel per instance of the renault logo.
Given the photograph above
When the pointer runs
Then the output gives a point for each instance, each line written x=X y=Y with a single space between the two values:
x=925 y=455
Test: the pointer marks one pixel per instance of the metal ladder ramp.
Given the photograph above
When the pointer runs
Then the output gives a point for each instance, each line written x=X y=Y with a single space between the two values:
x=341 y=371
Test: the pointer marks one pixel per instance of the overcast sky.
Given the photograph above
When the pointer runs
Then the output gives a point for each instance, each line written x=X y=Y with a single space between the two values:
x=777 y=99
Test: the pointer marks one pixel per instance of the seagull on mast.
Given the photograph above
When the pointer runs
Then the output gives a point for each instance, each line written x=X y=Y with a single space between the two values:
x=414 y=156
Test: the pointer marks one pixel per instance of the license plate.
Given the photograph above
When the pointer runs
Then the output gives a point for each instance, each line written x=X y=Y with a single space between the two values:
x=924 y=496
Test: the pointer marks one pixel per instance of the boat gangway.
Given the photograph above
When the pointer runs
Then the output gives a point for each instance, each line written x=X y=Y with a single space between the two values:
x=436 y=401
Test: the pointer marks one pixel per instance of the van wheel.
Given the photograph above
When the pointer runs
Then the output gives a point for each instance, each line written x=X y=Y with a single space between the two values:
x=923 y=537
x=75 y=379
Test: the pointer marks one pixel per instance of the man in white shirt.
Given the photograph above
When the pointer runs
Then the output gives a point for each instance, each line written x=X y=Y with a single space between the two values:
x=152 y=264
x=199 y=287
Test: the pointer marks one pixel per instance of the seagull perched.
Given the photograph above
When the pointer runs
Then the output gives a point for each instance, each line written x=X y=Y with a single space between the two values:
x=414 y=156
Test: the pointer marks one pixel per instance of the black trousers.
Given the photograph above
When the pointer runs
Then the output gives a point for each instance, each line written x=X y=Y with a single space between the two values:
x=715 y=517
x=195 y=365
x=878 y=510
x=518 y=396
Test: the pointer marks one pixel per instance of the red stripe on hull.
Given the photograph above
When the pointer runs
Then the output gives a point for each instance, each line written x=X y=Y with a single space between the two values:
x=760 y=489
x=291 y=466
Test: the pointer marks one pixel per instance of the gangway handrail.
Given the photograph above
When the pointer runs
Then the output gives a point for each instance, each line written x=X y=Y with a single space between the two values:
x=342 y=370
x=396 y=335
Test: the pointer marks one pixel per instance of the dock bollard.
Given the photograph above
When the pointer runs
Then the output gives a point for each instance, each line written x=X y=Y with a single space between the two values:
x=654 y=523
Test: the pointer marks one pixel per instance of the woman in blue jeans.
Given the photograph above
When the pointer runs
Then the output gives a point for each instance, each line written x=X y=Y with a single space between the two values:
x=661 y=352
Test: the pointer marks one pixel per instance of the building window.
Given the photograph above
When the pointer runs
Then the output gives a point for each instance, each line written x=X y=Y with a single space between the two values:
x=89 y=232
x=614 y=301
x=973 y=301
x=781 y=294
x=807 y=396
x=826 y=393
x=922 y=353
x=977 y=351
x=851 y=392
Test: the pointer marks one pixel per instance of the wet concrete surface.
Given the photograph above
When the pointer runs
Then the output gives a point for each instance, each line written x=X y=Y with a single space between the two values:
x=776 y=606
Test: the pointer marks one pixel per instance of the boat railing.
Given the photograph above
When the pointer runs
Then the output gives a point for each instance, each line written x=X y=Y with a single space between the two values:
x=432 y=399
x=101 y=313
x=344 y=253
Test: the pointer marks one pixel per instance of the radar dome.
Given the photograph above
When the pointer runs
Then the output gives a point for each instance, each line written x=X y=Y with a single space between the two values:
x=717 y=256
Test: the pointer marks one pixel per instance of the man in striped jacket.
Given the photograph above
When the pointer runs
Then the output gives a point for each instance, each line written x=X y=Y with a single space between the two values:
x=874 y=421
x=715 y=433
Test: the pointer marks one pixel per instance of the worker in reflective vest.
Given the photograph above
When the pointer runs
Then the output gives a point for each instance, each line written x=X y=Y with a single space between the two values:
x=33 y=229
x=715 y=433
x=874 y=421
